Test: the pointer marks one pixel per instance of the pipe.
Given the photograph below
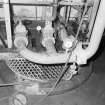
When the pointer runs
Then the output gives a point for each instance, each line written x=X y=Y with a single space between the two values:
x=98 y=29
x=8 y=22
x=82 y=55
x=43 y=58
x=48 y=39
x=96 y=33
x=92 y=17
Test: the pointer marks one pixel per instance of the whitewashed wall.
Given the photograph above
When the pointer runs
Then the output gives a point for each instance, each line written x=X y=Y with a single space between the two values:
x=28 y=11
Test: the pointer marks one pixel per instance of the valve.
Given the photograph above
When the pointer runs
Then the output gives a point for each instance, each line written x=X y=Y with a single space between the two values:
x=72 y=71
x=68 y=43
x=48 y=40
x=18 y=98
x=21 y=39
x=38 y=28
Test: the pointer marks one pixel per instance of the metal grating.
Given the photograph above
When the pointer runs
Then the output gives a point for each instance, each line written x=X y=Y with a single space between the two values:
x=34 y=71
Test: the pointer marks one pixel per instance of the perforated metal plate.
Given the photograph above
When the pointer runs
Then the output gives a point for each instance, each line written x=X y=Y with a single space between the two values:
x=34 y=71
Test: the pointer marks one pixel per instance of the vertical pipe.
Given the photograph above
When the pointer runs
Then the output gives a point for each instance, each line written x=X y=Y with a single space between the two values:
x=66 y=16
x=64 y=12
x=44 y=11
x=8 y=22
x=36 y=12
x=93 y=16
x=54 y=13
x=69 y=12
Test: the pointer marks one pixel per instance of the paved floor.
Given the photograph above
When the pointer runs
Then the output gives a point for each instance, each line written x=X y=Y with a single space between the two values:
x=91 y=93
